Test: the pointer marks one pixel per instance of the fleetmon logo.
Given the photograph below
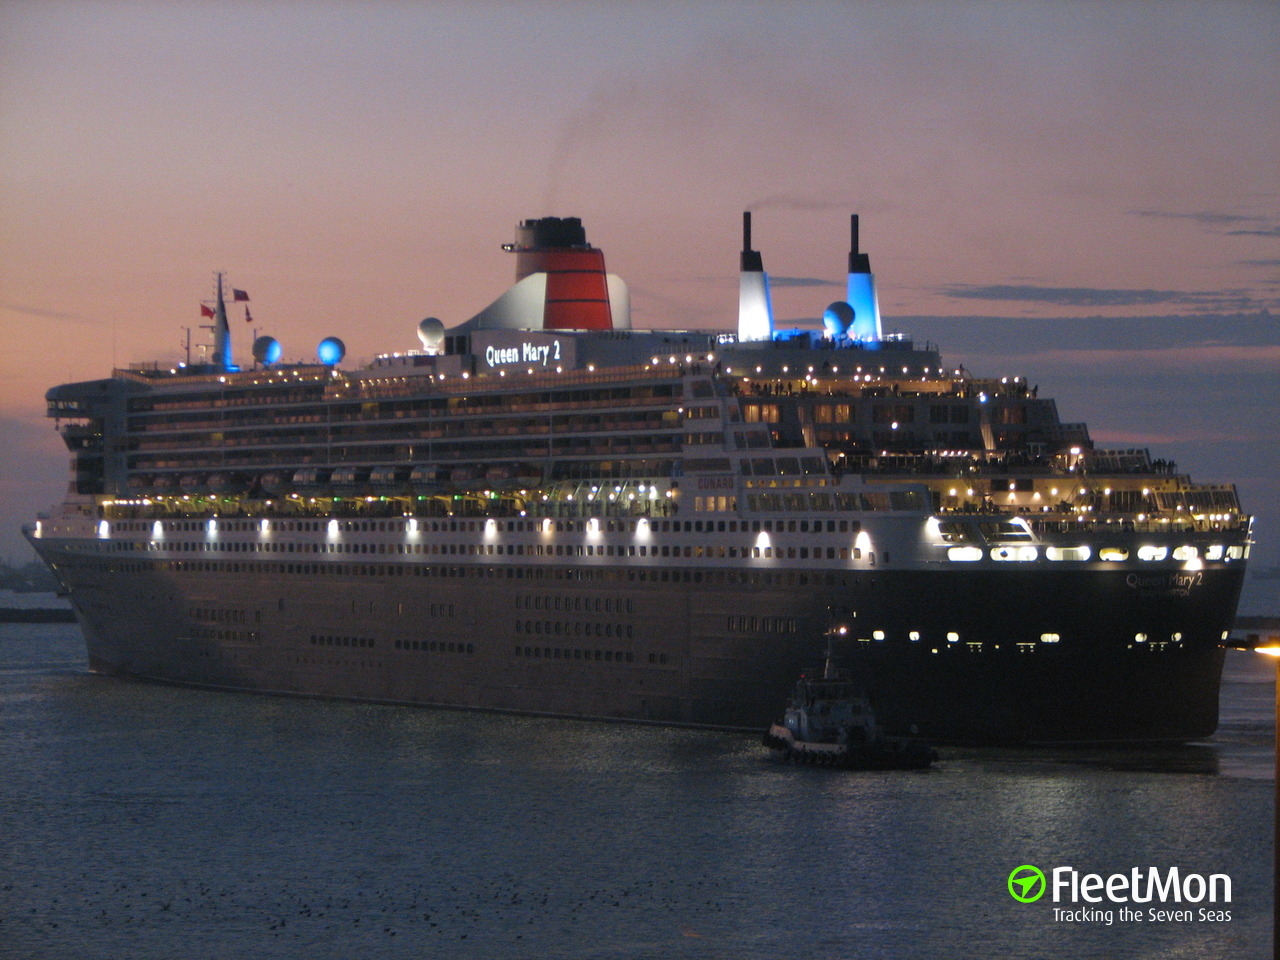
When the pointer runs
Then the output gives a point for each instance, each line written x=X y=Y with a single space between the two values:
x=1026 y=883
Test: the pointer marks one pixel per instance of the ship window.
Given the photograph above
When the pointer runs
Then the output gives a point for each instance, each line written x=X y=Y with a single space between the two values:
x=1021 y=554
x=1068 y=553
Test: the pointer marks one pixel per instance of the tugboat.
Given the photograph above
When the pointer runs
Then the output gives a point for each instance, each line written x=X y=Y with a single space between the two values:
x=829 y=723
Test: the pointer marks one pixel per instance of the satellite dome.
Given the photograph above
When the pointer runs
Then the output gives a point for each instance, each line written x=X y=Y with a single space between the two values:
x=431 y=333
x=837 y=319
x=266 y=350
x=331 y=350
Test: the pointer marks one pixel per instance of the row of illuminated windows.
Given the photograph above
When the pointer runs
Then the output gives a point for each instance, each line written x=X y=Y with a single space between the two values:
x=906 y=413
x=434 y=549
x=215 y=420
x=499 y=550
x=539 y=550
x=301 y=425
x=1027 y=554
x=825 y=502
x=760 y=413
x=278 y=393
x=880 y=413
x=1046 y=641
x=292 y=452
x=419 y=405
x=876 y=501
x=723 y=504
x=954 y=642
x=705 y=439
x=575 y=628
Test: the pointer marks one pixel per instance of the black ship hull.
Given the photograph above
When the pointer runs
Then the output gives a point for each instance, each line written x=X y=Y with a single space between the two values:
x=1090 y=655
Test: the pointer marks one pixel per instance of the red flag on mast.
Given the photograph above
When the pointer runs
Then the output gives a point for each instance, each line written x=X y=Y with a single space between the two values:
x=247 y=318
x=206 y=311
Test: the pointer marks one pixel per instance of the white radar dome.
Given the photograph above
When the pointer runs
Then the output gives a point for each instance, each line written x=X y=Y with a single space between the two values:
x=431 y=333
x=266 y=349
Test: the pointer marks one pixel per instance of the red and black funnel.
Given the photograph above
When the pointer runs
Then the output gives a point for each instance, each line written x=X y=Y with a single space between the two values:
x=577 y=291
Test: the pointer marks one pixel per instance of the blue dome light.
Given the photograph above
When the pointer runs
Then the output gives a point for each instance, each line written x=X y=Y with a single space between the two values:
x=331 y=350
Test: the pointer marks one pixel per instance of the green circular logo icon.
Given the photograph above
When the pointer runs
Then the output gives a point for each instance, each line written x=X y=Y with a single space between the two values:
x=1026 y=883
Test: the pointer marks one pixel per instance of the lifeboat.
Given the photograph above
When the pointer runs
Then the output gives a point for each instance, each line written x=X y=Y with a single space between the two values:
x=275 y=482
x=226 y=483
x=389 y=480
x=311 y=480
x=350 y=481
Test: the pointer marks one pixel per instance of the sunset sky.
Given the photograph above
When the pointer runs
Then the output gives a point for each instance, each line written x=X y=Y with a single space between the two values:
x=1084 y=193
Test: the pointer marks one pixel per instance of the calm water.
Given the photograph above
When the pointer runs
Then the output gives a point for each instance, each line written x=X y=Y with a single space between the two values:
x=141 y=821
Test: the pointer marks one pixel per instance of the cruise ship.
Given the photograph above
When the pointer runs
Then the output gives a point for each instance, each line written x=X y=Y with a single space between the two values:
x=544 y=511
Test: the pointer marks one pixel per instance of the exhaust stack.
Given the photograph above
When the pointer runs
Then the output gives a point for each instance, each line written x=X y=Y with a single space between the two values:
x=862 y=292
x=577 y=296
x=755 y=308
x=561 y=283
